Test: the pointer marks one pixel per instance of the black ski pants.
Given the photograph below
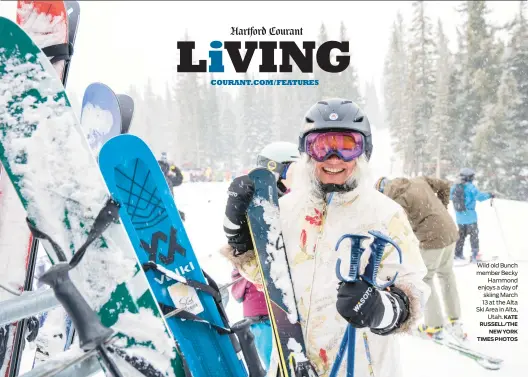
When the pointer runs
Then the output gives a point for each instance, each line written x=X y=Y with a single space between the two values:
x=463 y=231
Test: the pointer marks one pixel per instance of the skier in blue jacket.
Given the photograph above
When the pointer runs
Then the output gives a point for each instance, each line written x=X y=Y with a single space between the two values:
x=464 y=196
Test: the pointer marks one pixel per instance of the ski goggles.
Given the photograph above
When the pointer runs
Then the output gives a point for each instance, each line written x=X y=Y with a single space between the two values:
x=280 y=168
x=347 y=145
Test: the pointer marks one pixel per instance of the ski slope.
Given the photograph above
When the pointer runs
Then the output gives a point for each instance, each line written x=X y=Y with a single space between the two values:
x=501 y=234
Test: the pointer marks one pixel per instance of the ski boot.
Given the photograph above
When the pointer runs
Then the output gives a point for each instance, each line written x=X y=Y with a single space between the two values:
x=454 y=327
x=476 y=257
x=427 y=332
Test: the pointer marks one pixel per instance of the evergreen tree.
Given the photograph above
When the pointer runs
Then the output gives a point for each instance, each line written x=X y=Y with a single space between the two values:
x=372 y=107
x=227 y=132
x=406 y=134
x=171 y=126
x=209 y=118
x=137 y=125
x=495 y=144
x=458 y=93
x=347 y=82
x=329 y=84
x=422 y=48
x=275 y=118
x=261 y=127
x=246 y=134
x=481 y=60
x=153 y=116
x=291 y=104
x=516 y=130
x=395 y=80
x=188 y=96
x=439 y=137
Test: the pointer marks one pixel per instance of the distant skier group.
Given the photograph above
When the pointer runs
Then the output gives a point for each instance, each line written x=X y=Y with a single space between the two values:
x=324 y=195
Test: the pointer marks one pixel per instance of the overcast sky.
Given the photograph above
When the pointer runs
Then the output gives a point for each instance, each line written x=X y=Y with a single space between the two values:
x=124 y=42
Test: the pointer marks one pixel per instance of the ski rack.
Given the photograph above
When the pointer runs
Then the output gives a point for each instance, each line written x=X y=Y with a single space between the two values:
x=95 y=339
x=92 y=334
x=31 y=303
x=20 y=330
x=76 y=365
x=26 y=305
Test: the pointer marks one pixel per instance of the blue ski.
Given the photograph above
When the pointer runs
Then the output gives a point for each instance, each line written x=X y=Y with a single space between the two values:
x=151 y=219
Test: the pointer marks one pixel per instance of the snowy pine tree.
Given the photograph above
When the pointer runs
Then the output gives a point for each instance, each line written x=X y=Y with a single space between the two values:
x=247 y=133
x=329 y=83
x=209 y=114
x=394 y=83
x=406 y=142
x=347 y=82
x=372 y=107
x=170 y=126
x=480 y=59
x=154 y=119
x=442 y=128
x=516 y=130
x=188 y=96
x=136 y=126
x=495 y=144
x=227 y=132
x=458 y=93
x=422 y=48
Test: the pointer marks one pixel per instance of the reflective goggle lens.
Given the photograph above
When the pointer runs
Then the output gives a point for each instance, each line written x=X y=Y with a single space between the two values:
x=346 y=145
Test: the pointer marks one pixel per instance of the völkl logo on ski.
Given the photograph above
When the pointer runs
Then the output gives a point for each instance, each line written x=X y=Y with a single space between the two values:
x=152 y=248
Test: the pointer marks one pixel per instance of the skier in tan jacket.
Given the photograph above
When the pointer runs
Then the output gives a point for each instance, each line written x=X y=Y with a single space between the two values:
x=425 y=200
x=329 y=198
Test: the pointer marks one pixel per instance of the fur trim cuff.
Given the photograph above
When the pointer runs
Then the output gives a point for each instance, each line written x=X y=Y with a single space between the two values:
x=415 y=309
x=246 y=264
x=247 y=257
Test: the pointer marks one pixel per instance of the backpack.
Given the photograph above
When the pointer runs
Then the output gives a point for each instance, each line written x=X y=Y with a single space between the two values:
x=459 y=198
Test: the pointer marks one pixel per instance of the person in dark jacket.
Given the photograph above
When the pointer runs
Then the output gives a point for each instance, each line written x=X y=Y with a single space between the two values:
x=425 y=201
x=464 y=196
x=173 y=176
x=278 y=157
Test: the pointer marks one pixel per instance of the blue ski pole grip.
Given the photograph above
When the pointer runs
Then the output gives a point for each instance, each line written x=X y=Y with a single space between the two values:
x=377 y=248
x=355 y=255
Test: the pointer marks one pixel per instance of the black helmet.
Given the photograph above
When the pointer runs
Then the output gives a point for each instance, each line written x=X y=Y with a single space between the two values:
x=467 y=174
x=337 y=114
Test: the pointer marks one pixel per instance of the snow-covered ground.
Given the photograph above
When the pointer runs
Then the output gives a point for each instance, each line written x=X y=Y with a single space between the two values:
x=204 y=204
x=501 y=235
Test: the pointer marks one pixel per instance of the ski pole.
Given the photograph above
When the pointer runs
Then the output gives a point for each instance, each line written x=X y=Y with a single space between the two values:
x=227 y=285
x=92 y=333
x=12 y=291
x=349 y=339
x=377 y=248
